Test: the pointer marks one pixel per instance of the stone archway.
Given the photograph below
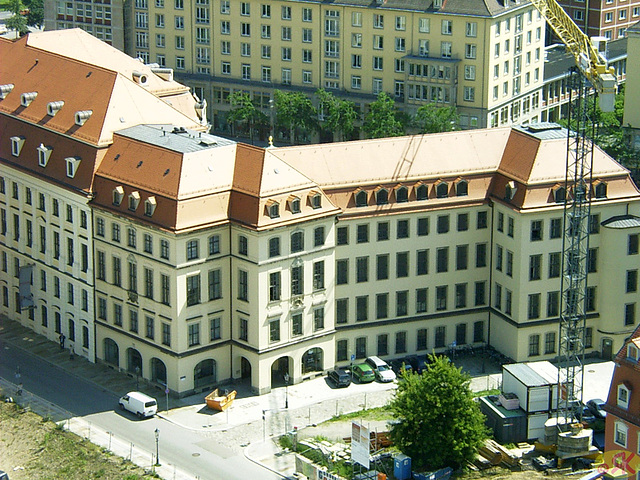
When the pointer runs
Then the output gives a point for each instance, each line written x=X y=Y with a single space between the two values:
x=204 y=373
x=312 y=360
x=134 y=360
x=111 y=352
x=245 y=368
x=280 y=369
x=158 y=371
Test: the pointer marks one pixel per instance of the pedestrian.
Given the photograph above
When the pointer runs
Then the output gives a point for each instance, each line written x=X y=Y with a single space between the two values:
x=62 y=339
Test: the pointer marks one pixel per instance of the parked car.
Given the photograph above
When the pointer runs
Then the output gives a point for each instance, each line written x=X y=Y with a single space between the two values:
x=416 y=365
x=139 y=403
x=399 y=365
x=596 y=406
x=363 y=373
x=340 y=377
x=3 y=475
x=381 y=369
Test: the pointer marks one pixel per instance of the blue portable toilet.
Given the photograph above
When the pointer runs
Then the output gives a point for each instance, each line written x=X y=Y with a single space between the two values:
x=402 y=467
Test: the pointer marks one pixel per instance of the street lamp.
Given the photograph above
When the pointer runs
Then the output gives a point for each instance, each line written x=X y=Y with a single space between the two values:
x=286 y=390
x=157 y=432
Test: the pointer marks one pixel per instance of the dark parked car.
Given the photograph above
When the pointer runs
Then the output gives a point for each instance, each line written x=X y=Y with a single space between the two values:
x=363 y=373
x=399 y=365
x=597 y=407
x=340 y=377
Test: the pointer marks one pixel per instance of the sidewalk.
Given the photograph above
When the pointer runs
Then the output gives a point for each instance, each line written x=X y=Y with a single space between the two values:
x=252 y=422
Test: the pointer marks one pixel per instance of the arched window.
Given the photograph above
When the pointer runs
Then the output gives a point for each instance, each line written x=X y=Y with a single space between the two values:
x=402 y=194
x=462 y=188
x=442 y=190
x=601 y=190
x=422 y=193
x=316 y=201
x=361 y=199
x=382 y=196
x=295 y=205
x=274 y=210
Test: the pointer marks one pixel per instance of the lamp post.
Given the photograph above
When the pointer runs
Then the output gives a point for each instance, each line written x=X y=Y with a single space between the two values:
x=157 y=432
x=286 y=390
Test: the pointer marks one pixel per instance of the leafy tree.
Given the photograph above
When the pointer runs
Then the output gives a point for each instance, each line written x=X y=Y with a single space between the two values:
x=245 y=111
x=437 y=423
x=35 y=17
x=339 y=115
x=17 y=22
x=382 y=119
x=295 y=112
x=431 y=118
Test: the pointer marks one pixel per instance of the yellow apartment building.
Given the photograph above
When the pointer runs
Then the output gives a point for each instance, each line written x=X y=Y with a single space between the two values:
x=483 y=57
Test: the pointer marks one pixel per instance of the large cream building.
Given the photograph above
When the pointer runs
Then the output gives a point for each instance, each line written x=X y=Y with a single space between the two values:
x=211 y=261
x=484 y=57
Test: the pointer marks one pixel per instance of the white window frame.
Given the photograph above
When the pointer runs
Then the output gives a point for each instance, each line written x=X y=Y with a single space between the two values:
x=44 y=153
x=620 y=427
x=72 y=164
x=623 y=391
x=16 y=145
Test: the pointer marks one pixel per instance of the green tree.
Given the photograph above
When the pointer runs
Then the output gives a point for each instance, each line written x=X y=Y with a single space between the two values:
x=244 y=111
x=437 y=422
x=339 y=115
x=35 y=17
x=382 y=119
x=431 y=118
x=17 y=22
x=295 y=111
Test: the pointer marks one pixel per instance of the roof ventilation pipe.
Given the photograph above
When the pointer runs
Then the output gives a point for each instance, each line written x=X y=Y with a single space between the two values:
x=5 y=90
x=27 y=98
x=82 y=116
x=163 y=73
x=54 y=107
x=140 y=77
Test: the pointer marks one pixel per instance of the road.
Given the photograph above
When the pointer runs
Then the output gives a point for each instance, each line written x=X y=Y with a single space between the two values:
x=198 y=453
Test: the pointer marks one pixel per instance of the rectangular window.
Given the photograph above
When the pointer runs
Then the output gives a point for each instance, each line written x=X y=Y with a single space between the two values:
x=297 y=280
x=443 y=224
x=342 y=353
x=274 y=330
x=535 y=267
x=442 y=259
x=166 y=334
x=215 y=284
x=462 y=255
x=553 y=304
x=193 y=334
x=401 y=303
x=318 y=318
x=318 y=275
x=342 y=310
x=244 y=329
x=362 y=269
x=422 y=262
x=193 y=290
x=342 y=271
x=382 y=267
x=461 y=295
x=421 y=300
x=402 y=264
x=243 y=285
x=166 y=289
x=632 y=281
x=296 y=324
x=440 y=337
x=481 y=255
x=362 y=308
x=536 y=230
x=534 y=306
x=441 y=298
x=632 y=244
x=534 y=345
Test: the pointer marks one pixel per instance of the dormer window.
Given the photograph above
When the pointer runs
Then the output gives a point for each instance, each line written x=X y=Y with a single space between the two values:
x=361 y=199
x=274 y=209
x=510 y=190
x=16 y=145
x=150 y=205
x=118 y=195
x=134 y=201
x=294 y=205
x=402 y=194
x=442 y=190
x=72 y=166
x=382 y=196
x=601 y=190
x=316 y=200
x=624 y=394
x=462 y=188
x=560 y=195
x=422 y=192
x=44 y=152
x=632 y=353
x=54 y=107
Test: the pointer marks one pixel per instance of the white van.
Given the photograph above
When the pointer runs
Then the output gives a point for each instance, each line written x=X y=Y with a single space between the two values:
x=139 y=403
x=381 y=369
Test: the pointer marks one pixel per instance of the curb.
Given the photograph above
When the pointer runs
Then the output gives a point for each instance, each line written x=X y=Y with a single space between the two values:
x=259 y=463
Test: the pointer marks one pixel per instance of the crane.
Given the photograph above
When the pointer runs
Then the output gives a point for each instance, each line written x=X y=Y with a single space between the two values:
x=591 y=67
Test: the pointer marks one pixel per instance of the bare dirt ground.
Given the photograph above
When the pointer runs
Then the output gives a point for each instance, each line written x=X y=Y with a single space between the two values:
x=32 y=448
